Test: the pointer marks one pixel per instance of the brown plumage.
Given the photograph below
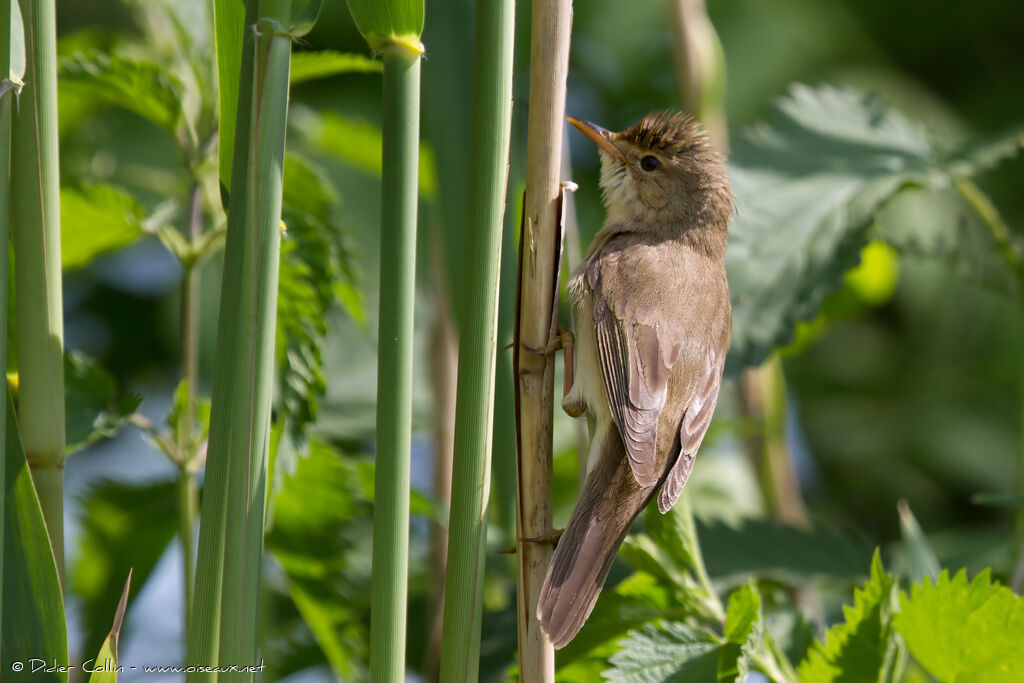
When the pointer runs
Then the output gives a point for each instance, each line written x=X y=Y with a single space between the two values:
x=652 y=314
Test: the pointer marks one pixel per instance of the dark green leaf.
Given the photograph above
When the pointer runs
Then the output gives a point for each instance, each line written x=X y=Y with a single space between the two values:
x=142 y=87
x=672 y=652
x=307 y=66
x=859 y=648
x=33 y=608
x=125 y=527
x=808 y=187
x=767 y=550
x=964 y=632
x=303 y=16
x=94 y=409
x=96 y=219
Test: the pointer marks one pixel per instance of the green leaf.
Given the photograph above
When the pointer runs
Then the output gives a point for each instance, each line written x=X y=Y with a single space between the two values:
x=229 y=26
x=766 y=550
x=807 y=189
x=17 y=63
x=307 y=66
x=321 y=538
x=671 y=652
x=964 y=632
x=385 y=22
x=743 y=630
x=125 y=527
x=920 y=557
x=96 y=219
x=303 y=16
x=33 y=607
x=354 y=142
x=138 y=86
x=859 y=648
x=104 y=666
x=201 y=425
x=94 y=409
x=317 y=269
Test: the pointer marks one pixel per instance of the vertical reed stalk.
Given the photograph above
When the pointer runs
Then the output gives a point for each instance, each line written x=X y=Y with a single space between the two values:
x=394 y=368
x=225 y=608
x=540 y=256
x=35 y=217
x=488 y=148
x=7 y=95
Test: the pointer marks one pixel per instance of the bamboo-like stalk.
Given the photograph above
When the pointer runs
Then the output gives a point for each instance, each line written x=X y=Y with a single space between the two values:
x=488 y=148
x=700 y=67
x=394 y=366
x=551 y=21
x=225 y=607
x=35 y=218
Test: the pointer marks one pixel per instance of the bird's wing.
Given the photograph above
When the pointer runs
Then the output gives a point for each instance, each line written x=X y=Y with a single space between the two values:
x=692 y=429
x=636 y=360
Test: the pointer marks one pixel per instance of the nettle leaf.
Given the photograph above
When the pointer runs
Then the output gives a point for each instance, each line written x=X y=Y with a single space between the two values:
x=808 y=187
x=307 y=66
x=125 y=527
x=766 y=550
x=96 y=219
x=138 y=86
x=743 y=631
x=671 y=651
x=94 y=409
x=860 y=649
x=964 y=632
x=321 y=537
x=317 y=269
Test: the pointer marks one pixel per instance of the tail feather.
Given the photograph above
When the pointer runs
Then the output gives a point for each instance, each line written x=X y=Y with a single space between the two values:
x=610 y=501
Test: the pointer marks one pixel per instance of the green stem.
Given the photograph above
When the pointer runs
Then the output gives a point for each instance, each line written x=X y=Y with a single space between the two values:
x=7 y=94
x=692 y=546
x=488 y=148
x=188 y=495
x=35 y=217
x=394 y=368
x=226 y=599
x=1000 y=232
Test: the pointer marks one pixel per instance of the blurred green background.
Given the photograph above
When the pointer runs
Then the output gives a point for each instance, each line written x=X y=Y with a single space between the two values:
x=913 y=394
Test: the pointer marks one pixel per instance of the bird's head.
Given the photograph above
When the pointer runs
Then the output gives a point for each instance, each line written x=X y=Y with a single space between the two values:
x=662 y=171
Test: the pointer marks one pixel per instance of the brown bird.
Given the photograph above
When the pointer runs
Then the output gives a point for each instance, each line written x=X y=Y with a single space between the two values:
x=653 y=319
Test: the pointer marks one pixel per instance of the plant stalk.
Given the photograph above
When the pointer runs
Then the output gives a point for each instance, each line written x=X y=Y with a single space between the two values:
x=226 y=602
x=551 y=21
x=188 y=495
x=7 y=95
x=394 y=368
x=35 y=217
x=490 y=127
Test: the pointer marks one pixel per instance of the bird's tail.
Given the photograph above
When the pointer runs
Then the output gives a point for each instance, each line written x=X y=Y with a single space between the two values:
x=610 y=501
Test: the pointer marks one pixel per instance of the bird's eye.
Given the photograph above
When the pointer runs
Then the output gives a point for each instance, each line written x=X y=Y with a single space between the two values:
x=650 y=163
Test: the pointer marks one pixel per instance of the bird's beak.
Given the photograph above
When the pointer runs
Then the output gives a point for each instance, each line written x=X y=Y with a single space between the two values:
x=599 y=135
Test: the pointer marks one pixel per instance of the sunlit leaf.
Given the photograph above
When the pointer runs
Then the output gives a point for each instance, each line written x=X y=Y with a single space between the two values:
x=307 y=66
x=17 y=64
x=33 y=607
x=920 y=557
x=808 y=187
x=964 y=632
x=389 y=21
x=671 y=651
x=104 y=667
x=858 y=648
x=96 y=219
x=743 y=629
